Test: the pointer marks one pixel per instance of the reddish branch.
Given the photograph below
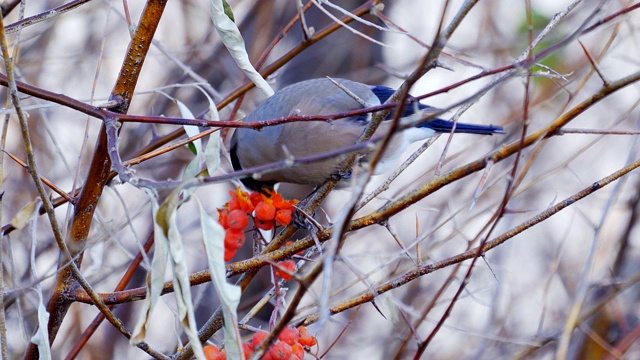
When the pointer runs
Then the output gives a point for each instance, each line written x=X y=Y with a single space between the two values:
x=392 y=208
x=99 y=171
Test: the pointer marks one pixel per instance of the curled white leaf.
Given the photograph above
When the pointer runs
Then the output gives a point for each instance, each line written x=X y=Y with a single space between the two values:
x=228 y=294
x=233 y=41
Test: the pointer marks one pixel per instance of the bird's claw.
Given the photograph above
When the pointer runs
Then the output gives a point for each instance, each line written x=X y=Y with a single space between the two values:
x=341 y=175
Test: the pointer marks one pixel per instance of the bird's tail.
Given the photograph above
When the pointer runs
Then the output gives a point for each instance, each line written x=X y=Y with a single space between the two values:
x=445 y=126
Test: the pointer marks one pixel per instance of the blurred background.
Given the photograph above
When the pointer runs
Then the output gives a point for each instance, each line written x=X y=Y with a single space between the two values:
x=520 y=295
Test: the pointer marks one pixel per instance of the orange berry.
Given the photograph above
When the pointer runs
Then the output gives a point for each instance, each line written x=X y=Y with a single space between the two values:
x=258 y=338
x=211 y=352
x=265 y=211
x=283 y=216
x=286 y=269
x=247 y=349
x=229 y=254
x=256 y=197
x=280 y=351
x=237 y=220
x=282 y=204
x=223 y=217
x=298 y=351
x=278 y=201
x=306 y=339
x=290 y=335
x=234 y=239
x=234 y=203
x=264 y=225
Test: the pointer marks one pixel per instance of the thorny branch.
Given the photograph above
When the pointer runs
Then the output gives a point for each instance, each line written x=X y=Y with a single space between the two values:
x=100 y=174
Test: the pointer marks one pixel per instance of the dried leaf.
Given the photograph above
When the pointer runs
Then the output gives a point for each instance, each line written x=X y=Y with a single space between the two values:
x=155 y=276
x=26 y=214
x=228 y=294
x=41 y=337
x=232 y=39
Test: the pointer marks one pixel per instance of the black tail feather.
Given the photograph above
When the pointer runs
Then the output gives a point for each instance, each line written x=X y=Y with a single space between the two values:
x=445 y=126
x=383 y=93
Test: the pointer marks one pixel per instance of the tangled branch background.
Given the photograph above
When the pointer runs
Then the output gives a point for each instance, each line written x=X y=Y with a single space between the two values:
x=522 y=245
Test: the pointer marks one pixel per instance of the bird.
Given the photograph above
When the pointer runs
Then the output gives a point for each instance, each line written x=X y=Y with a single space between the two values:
x=324 y=96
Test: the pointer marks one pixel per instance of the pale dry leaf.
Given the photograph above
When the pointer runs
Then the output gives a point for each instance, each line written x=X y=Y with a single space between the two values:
x=167 y=218
x=233 y=41
x=155 y=276
x=229 y=295
x=41 y=336
x=26 y=214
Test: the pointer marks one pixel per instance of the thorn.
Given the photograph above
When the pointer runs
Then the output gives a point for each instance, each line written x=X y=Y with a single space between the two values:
x=439 y=64
x=373 y=302
x=594 y=64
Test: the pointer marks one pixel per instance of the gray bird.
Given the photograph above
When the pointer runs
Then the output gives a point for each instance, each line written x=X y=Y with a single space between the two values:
x=250 y=148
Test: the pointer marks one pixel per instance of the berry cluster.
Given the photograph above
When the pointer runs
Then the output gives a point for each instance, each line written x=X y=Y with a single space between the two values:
x=266 y=211
x=290 y=345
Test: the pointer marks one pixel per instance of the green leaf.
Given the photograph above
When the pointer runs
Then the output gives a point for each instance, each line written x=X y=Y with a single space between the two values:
x=228 y=11
x=192 y=148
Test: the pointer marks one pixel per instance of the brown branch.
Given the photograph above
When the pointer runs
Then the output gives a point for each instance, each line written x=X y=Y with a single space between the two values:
x=31 y=20
x=97 y=178
x=45 y=181
x=251 y=265
x=124 y=281
x=472 y=253
x=440 y=181
x=8 y=6
x=270 y=255
x=387 y=211
x=103 y=114
x=284 y=59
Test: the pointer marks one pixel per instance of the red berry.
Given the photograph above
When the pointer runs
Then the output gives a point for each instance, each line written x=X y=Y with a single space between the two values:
x=256 y=198
x=286 y=269
x=298 y=351
x=283 y=216
x=248 y=350
x=306 y=339
x=229 y=254
x=223 y=217
x=258 y=338
x=280 y=351
x=233 y=204
x=265 y=211
x=278 y=201
x=290 y=335
x=237 y=220
x=234 y=239
x=211 y=352
x=265 y=225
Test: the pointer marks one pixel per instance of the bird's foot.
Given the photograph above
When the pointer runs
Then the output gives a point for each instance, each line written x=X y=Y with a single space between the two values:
x=342 y=175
